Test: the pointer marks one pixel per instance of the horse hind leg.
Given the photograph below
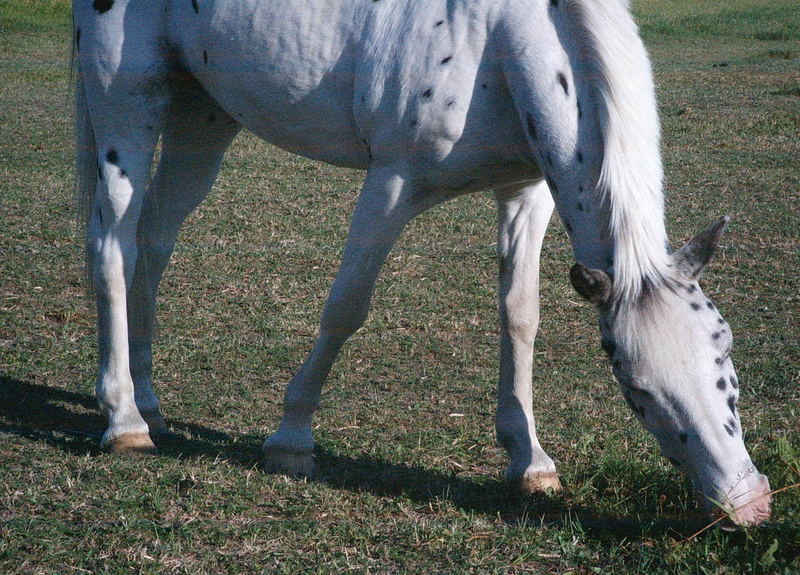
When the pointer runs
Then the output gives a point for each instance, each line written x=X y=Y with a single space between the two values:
x=523 y=215
x=124 y=158
x=196 y=134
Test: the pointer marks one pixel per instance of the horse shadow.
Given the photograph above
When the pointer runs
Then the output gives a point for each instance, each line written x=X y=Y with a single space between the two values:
x=70 y=421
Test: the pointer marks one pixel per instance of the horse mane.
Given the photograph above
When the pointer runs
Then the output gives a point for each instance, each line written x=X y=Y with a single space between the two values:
x=616 y=69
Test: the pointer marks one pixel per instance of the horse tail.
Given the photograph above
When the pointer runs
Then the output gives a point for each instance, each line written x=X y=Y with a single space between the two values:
x=617 y=68
x=86 y=166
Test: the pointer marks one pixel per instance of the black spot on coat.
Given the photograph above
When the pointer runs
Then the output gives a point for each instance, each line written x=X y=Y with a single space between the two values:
x=446 y=60
x=734 y=382
x=732 y=404
x=562 y=79
x=695 y=306
x=721 y=384
x=427 y=94
x=103 y=6
x=531 y=125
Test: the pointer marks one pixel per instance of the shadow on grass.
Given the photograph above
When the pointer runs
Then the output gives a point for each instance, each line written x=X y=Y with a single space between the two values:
x=70 y=421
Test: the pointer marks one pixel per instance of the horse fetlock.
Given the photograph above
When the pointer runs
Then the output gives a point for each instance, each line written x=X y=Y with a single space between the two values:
x=155 y=421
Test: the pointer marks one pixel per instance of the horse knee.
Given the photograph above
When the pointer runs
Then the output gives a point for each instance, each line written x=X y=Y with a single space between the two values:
x=520 y=319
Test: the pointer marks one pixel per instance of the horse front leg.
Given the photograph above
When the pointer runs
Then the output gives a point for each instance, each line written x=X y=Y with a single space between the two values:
x=382 y=211
x=523 y=215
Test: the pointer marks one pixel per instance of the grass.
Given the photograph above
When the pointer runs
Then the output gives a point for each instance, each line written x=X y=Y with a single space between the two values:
x=404 y=486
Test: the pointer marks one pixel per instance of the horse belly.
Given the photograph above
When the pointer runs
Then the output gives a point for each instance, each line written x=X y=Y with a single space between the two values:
x=283 y=71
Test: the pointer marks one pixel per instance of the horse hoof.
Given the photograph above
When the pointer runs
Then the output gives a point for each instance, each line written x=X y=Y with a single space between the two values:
x=155 y=422
x=299 y=464
x=544 y=482
x=132 y=444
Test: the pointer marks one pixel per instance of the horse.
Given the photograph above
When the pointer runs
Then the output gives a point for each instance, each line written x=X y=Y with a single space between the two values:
x=548 y=104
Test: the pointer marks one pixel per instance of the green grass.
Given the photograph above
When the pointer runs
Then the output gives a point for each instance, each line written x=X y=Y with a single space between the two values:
x=403 y=487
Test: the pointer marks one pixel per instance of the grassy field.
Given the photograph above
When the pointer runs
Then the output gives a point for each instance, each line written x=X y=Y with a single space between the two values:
x=405 y=485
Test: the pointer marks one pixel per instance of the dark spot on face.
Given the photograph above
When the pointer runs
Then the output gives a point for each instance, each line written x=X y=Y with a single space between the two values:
x=427 y=94
x=531 y=125
x=683 y=437
x=734 y=382
x=450 y=103
x=196 y=7
x=691 y=288
x=205 y=57
x=439 y=23
x=78 y=39
x=709 y=305
x=715 y=335
x=446 y=60
x=732 y=404
x=579 y=157
x=718 y=360
x=721 y=384
x=695 y=305
x=103 y=5
x=562 y=79
x=609 y=346
x=112 y=157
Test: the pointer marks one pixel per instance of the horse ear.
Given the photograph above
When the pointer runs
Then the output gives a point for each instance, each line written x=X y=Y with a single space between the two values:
x=592 y=284
x=693 y=258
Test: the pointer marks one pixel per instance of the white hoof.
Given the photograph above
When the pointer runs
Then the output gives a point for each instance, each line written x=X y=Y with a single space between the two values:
x=131 y=444
x=285 y=462
x=538 y=482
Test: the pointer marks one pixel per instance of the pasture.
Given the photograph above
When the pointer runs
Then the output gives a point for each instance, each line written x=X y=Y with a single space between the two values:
x=409 y=475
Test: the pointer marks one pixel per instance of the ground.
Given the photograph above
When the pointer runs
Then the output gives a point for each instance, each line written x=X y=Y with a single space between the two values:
x=410 y=478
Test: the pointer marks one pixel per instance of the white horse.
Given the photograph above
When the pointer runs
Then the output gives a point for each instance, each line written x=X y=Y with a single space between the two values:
x=538 y=100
